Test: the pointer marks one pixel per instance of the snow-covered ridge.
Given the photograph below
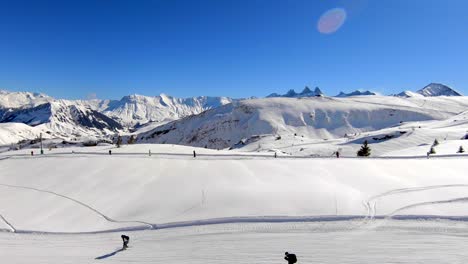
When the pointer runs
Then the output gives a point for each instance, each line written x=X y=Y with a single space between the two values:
x=22 y=99
x=139 y=109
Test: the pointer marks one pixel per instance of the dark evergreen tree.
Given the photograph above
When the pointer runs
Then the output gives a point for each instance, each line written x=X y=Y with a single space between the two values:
x=365 y=150
x=432 y=151
x=460 y=150
x=436 y=142
x=131 y=140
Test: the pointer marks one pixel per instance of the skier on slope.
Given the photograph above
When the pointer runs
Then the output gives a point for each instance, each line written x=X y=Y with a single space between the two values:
x=125 y=240
x=290 y=258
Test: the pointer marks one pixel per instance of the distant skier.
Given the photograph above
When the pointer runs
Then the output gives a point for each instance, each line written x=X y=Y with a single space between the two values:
x=110 y=152
x=125 y=240
x=290 y=258
x=194 y=154
x=337 y=154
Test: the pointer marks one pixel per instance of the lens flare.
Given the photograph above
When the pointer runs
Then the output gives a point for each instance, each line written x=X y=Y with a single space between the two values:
x=331 y=20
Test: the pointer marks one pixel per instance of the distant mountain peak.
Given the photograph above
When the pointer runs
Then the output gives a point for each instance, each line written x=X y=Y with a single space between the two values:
x=438 y=89
x=307 y=92
x=355 y=93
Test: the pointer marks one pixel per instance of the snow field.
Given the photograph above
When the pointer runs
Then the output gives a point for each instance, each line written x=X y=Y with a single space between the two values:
x=158 y=190
x=317 y=242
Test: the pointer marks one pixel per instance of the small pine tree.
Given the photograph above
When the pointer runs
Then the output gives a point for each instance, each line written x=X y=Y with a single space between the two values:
x=131 y=140
x=460 y=150
x=119 y=141
x=365 y=151
x=432 y=151
x=436 y=142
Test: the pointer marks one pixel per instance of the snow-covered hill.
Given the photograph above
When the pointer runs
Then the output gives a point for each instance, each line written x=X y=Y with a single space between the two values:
x=313 y=118
x=437 y=89
x=14 y=132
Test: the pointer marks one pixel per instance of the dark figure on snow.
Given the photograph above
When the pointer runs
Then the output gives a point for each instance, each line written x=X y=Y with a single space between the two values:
x=194 y=154
x=290 y=258
x=125 y=240
x=110 y=152
x=337 y=154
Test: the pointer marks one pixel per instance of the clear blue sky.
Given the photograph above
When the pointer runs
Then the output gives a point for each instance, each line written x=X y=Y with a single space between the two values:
x=237 y=48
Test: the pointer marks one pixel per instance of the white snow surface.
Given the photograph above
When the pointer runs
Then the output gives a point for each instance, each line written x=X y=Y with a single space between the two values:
x=94 y=191
x=229 y=207
x=406 y=242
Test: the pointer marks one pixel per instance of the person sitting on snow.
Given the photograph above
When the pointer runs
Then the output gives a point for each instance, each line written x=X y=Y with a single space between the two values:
x=290 y=258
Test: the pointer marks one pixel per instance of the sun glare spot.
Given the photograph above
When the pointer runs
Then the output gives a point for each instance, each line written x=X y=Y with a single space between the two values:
x=331 y=21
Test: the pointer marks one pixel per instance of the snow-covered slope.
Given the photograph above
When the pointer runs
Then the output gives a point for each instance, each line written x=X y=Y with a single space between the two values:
x=138 y=109
x=14 y=132
x=408 y=94
x=437 y=89
x=313 y=118
x=95 y=192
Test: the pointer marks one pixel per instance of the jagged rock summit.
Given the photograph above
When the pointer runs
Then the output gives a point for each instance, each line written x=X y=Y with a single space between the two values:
x=307 y=92
x=355 y=93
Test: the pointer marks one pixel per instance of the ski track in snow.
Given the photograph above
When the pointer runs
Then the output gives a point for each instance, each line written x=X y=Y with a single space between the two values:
x=371 y=203
x=449 y=201
x=12 y=228
x=259 y=219
x=73 y=200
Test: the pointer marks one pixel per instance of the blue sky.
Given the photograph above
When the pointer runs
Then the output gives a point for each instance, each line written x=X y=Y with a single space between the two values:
x=237 y=48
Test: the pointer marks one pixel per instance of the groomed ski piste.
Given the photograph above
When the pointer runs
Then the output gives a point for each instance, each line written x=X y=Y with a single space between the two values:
x=71 y=205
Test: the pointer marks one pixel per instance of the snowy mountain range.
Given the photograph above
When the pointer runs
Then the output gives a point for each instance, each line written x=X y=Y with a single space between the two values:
x=98 y=118
x=219 y=122
x=312 y=118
